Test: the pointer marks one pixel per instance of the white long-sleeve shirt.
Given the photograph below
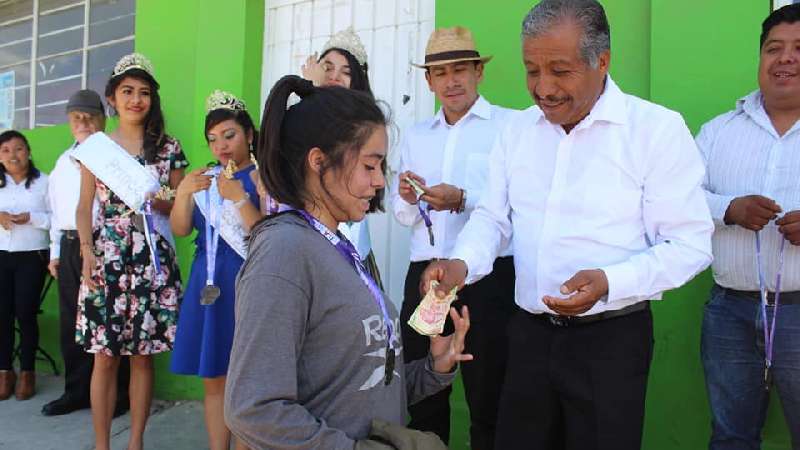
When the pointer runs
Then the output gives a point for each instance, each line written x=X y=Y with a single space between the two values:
x=455 y=154
x=16 y=199
x=63 y=194
x=621 y=192
x=744 y=155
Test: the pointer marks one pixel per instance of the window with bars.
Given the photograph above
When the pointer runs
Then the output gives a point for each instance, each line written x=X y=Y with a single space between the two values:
x=52 y=48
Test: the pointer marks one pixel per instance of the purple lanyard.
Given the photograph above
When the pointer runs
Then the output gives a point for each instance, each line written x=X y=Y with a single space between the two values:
x=769 y=326
x=148 y=217
x=273 y=207
x=350 y=253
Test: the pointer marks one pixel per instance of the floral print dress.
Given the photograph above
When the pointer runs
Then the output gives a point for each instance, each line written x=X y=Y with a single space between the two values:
x=130 y=312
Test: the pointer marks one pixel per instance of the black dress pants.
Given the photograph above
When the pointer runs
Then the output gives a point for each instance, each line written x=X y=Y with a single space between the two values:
x=575 y=387
x=491 y=306
x=77 y=363
x=22 y=276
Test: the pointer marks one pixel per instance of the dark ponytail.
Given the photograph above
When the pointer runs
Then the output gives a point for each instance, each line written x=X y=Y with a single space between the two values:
x=336 y=120
x=33 y=172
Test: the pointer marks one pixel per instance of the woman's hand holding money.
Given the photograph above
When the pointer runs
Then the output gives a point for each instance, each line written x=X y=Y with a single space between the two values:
x=447 y=351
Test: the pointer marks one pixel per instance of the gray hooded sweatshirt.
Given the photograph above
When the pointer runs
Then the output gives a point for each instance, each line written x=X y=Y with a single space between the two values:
x=307 y=365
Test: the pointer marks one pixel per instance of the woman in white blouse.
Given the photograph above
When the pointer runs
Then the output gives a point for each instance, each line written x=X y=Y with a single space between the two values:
x=24 y=221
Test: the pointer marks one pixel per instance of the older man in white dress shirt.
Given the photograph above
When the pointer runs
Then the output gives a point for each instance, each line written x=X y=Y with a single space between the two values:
x=602 y=194
x=753 y=160
x=86 y=116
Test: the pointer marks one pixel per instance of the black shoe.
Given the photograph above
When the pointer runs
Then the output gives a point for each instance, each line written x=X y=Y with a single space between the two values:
x=61 y=406
x=121 y=408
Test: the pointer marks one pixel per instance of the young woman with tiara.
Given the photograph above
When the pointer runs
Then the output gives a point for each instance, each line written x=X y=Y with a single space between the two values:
x=343 y=62
x=316 y=359
x=221 y=203
x=128 y=303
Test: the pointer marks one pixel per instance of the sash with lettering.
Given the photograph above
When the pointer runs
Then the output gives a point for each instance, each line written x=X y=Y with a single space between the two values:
x=230 y=225
x=123 y=174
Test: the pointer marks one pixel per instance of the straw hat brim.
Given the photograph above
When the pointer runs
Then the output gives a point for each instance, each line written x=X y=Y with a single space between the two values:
x=483 y=59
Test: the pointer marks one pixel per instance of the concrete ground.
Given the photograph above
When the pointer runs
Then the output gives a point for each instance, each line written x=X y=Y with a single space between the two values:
x=172 y=425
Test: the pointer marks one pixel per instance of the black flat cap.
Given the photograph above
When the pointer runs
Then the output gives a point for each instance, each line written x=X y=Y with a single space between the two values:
x=87 y=101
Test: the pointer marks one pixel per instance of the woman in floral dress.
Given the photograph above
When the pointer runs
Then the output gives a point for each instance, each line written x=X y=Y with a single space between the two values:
x=126 y=307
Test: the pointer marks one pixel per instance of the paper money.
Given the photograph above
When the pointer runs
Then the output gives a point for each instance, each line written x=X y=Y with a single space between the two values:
x=230 y=169
x=429 y=317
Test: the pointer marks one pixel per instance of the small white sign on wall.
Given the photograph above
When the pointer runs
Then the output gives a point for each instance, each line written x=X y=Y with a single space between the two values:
x=7 y=86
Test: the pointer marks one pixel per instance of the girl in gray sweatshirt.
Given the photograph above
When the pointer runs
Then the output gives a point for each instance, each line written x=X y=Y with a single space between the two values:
x=317 y=354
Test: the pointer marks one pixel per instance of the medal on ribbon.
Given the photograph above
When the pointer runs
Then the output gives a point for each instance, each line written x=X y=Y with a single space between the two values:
x=769 y=326
x=211 y=292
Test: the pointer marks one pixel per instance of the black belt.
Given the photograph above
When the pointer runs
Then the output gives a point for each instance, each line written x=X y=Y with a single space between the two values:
x=70 y=234
x=787 y=298
x=567 y=321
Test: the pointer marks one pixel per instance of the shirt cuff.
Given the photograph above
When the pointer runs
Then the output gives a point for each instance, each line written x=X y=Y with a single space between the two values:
x=55 y=250
x=718 y=206
x=444 y=379
x=622 y=281
x=40 y=220
x=471 y=260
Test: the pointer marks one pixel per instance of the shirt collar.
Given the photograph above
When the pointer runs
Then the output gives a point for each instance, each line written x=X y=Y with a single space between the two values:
x=753 y=105
x=481 y=109
x=611 y=106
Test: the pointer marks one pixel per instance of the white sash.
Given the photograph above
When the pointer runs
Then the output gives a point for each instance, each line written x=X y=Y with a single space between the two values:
x=123 y=174
x=230 y=224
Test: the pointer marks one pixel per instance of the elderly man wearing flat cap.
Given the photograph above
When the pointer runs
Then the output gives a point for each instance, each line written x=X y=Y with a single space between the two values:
x=86 y=116
x=446 y=157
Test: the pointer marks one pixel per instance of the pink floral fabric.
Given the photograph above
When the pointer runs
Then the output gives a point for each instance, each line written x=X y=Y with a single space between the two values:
x=131 y=312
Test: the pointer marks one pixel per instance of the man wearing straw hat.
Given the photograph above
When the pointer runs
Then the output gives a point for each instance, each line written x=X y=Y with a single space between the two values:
x=446 y=157
x=602 y=194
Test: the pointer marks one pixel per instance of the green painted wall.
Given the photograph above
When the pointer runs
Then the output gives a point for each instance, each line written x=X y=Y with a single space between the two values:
x=694 y=57
x=195 y=47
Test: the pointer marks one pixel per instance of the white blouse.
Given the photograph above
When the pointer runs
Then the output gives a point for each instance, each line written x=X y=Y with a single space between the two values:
x=15 y=199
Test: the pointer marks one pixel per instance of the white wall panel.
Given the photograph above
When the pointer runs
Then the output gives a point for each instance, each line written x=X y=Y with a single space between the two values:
x=322 y=18
x=394 y=33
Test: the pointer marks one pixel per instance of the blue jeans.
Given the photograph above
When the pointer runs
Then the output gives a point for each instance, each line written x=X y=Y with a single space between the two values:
x=732 y=350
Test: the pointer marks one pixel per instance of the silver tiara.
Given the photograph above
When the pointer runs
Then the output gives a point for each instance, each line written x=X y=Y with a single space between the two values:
x=347 y=39
x=224 y=100
x=133 y=61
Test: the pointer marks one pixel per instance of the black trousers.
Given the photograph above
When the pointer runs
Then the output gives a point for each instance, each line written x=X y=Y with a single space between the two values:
x=577 y=387
x=491 y=306
x=77 y=363
x=22 y=276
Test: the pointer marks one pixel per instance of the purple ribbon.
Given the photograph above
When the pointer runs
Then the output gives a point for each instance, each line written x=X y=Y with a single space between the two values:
x=349 y=252
x=148 y=217
x=769 y=326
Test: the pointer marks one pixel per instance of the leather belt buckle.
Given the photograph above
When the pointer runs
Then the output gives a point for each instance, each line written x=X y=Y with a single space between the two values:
x=558 y=321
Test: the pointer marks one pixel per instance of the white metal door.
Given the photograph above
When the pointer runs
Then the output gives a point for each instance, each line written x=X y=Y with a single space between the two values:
x=394 y=33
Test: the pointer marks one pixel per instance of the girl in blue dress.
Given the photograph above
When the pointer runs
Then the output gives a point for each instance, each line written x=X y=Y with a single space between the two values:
x=221 y=203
